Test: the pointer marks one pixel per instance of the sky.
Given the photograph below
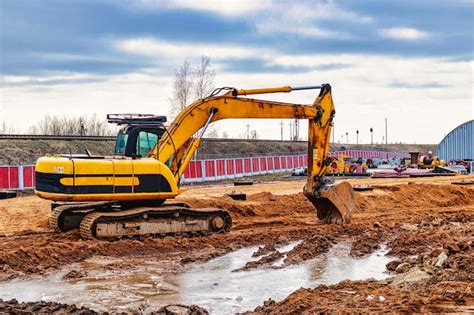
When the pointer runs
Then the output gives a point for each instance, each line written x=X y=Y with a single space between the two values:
x=408 y=61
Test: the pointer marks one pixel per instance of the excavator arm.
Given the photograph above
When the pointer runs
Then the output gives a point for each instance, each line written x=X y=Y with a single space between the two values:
x=334 y=203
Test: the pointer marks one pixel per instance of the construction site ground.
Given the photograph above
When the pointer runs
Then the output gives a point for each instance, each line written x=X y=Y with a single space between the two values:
x=415 y=233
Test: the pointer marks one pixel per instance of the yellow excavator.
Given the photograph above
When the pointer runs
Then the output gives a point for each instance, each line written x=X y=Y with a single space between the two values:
x=128 y=194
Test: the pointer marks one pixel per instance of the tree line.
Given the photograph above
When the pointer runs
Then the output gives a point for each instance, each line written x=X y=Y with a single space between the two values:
x=82 y=125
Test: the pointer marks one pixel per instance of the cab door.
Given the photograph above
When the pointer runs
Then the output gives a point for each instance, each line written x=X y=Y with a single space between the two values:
x=147 y=170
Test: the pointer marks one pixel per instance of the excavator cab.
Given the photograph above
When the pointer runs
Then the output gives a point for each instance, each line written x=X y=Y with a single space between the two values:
x=139 y=133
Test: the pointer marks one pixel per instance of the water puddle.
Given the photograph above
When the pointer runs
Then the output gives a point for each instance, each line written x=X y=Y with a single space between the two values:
x=212 y=285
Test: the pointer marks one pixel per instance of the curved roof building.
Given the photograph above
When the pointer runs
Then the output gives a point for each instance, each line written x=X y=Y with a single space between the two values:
x=458 y=144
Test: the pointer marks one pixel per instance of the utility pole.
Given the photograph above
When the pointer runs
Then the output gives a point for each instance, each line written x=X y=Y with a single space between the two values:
x=371 y=135
x=83 y=130
x=357 y=136
x=297 y=130
x=248 y=131
x=281 y=127
x=386 y=136
x=291 y=130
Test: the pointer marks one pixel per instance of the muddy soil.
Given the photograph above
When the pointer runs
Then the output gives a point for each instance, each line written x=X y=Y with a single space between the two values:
x=13 y=307
x=41 y=307
x=421 y=221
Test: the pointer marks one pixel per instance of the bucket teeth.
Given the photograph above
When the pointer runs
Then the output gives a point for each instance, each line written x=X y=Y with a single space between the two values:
x=334 y=203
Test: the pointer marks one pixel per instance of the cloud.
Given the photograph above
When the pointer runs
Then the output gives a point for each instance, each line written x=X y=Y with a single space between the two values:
x=305 y=19
x=75 y=78
x=424 y=85
x=158 y=49
x=299 y=18
x=226 y=8
x=404 y=33
x=299 y=30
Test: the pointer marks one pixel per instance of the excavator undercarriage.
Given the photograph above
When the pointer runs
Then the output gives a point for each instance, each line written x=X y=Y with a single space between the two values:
x=112 y=221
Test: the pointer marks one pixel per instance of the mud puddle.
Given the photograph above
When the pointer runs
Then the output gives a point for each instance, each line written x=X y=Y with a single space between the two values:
x=213 y=285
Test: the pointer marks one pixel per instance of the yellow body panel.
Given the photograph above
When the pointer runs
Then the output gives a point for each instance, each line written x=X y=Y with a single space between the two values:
x=108 y=179
x=60 y=166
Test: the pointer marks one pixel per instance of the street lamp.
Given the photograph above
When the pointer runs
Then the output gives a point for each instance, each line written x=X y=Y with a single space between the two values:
x=347 y=137
x=357 y=136
x=371 y=135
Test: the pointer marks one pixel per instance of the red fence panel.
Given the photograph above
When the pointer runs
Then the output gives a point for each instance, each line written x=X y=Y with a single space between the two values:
x=276 y=163
x=199 y=169
x=263 y=164
x=192 y=169
x=210 y=168
x=14 y=177
x=295 y=162
x=283 y=162
x=28 y=176
x=239 y=168
x=247 y=165
x=230 y=167
x=255 y=165
x=4 y=173
x=270 y=163
x=220 y=164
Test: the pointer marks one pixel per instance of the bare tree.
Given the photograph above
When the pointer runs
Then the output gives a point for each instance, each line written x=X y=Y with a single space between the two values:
x=7 y=129
x=193 y=83
x=212 y=132
x=204 y=76
x=182 y=88
x=254 y=135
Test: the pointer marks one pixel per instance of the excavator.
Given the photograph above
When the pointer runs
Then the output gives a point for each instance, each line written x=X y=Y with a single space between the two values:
x=130 y=194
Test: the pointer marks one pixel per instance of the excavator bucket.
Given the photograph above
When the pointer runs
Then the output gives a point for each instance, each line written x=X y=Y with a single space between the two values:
x=334 y=203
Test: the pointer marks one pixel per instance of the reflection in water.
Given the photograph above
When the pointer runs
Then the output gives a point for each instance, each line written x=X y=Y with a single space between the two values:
x=212 y=285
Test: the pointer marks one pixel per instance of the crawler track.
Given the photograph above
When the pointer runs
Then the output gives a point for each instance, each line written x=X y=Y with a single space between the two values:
x=154 y=222
x=67 y=216
x=106 y=220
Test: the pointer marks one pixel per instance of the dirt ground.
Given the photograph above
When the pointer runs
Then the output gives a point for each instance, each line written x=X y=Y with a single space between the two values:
x=428 y=223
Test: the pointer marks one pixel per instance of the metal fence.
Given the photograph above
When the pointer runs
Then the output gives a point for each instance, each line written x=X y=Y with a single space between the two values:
x=17 y=177
x=23 y=176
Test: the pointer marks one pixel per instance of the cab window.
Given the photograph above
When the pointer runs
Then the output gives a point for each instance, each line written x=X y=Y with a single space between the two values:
x=145 y=142
x=121 y=144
